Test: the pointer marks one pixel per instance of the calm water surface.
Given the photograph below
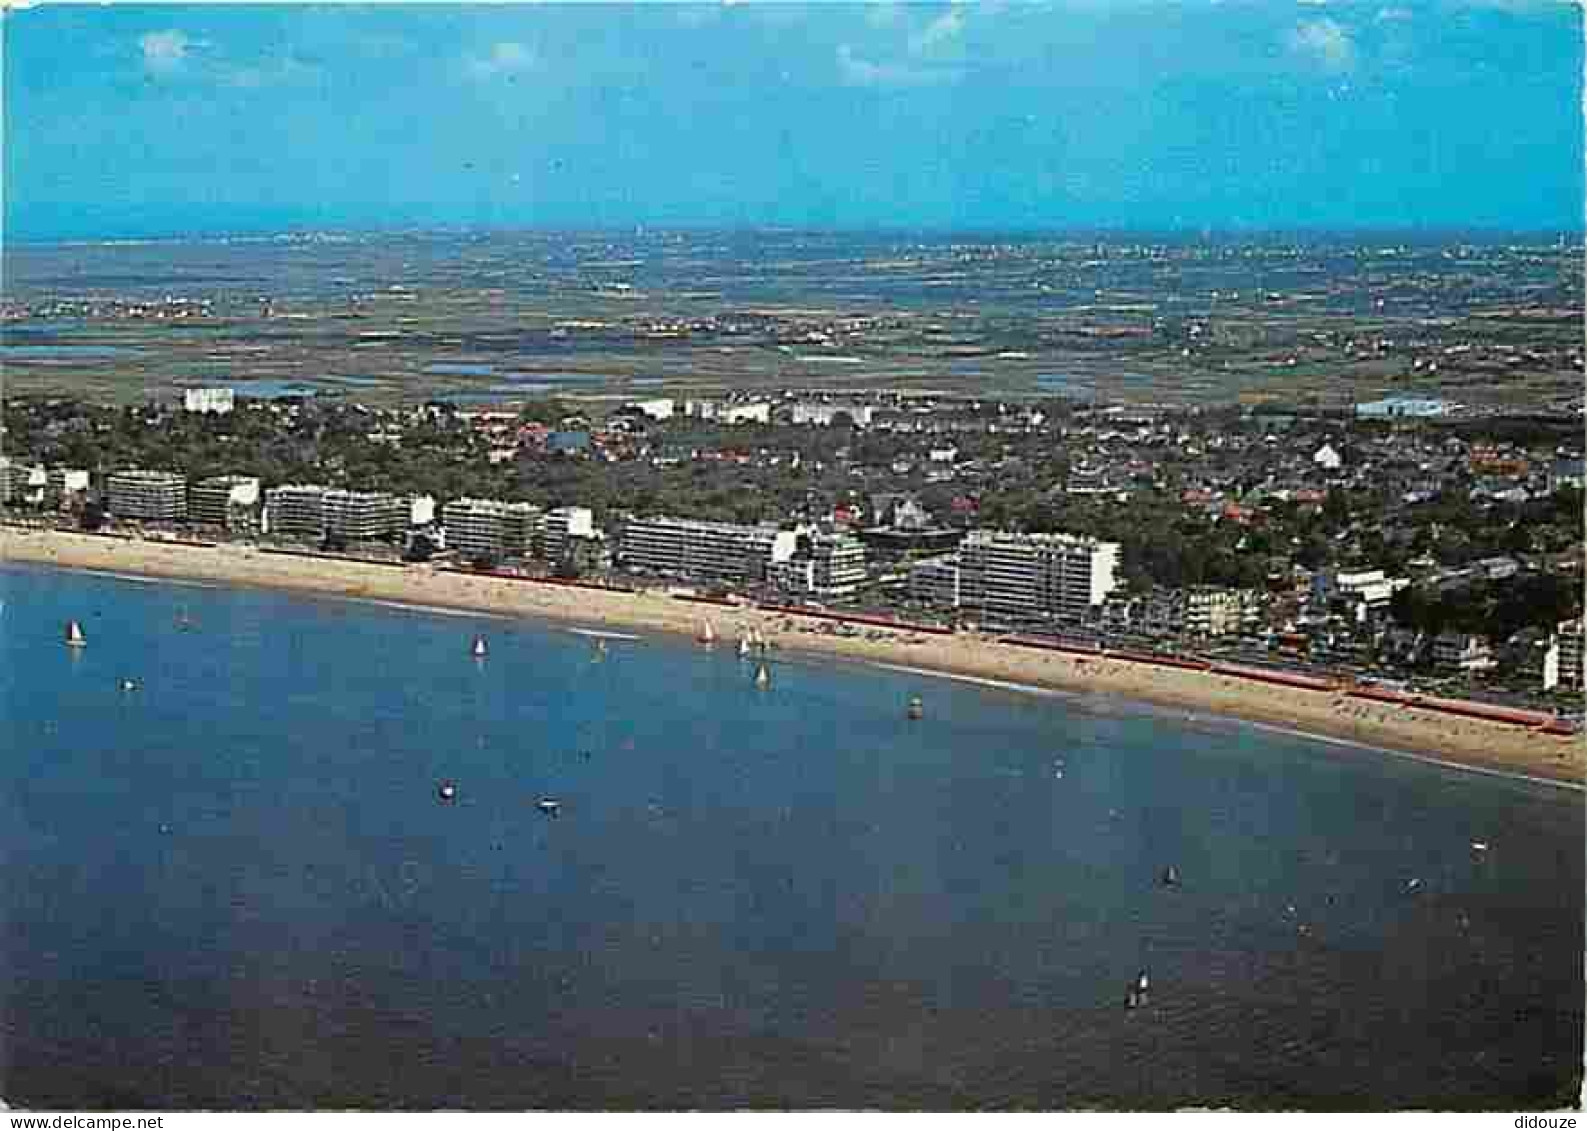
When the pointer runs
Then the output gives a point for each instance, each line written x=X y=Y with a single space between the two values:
x=235 y=886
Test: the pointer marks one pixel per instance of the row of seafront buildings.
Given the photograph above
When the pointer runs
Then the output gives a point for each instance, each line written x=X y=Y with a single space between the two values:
x=996 y=574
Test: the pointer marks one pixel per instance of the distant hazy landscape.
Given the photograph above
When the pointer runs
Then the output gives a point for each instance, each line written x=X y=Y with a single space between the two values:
x=499 y=316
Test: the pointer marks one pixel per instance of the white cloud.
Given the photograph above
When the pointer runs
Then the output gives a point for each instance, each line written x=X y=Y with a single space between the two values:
x=938 y=33
x=862 y=72
x=1325 y=42
x=506 y=58
x=165 y=52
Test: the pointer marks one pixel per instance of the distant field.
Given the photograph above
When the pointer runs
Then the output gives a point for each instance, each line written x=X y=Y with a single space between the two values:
x=508 y=318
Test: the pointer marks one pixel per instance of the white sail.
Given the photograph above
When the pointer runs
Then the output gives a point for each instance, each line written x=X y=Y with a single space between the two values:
x=762 y=677
x=74 y=635
x=743 y=645
x=707 y=633
x=480 y=650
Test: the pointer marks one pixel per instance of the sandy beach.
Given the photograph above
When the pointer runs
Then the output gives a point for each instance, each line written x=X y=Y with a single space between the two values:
x=1467 y=742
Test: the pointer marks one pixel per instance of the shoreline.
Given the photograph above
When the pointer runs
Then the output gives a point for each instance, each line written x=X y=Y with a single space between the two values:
x=1399 y=730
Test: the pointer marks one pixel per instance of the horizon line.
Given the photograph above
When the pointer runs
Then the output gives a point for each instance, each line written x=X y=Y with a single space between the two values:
x=989 y=232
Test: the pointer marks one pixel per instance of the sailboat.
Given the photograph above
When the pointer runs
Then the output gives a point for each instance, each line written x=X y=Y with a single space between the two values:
x=707 y=635
x=762 y=678
x=600 y=650
x=917 y=707
x=479 y=651
x=74 y=635
x=743 y=646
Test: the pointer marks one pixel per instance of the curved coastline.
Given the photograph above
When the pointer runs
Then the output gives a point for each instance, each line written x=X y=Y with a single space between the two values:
x=1466 y=743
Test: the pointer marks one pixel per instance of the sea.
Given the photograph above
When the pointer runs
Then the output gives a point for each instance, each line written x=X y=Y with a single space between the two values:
x=235 y=885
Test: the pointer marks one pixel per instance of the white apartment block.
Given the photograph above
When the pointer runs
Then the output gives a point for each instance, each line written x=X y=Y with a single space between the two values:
x=560 y=527
x=219 y=401
x=149 y=496
x=295 y=510
x=826 y=565
x=839 y=564
x=217 y=501
x=1019 y=575
x=488 y=528
x=705 y=551
x=935 y=581
x=364 y=515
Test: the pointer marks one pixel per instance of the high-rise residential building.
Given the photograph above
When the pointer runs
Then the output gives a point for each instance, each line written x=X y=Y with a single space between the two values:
x=935 y=581
x=704 y=551
x=1005 y=575
x=224 y=501
x=839 y=564
x=823 y=565
x=295 y=511
x=10 y=475
x=488 y=528
x=559 y=527
x=148 y=496
x=361 y=516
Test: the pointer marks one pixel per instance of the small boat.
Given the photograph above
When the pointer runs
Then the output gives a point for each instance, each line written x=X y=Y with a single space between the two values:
x=447 y=791
x=479 y=650
x=917 y=707
x=1171 y=877
x=762 y=678
x=707 y=635
x=743 y=647
x=74 y=635
x=1414 y=884
x=1134 y=999
x=1479 y=846
x=600 y=649
x=550 y=806
x=1142 y=982
x=129 y=685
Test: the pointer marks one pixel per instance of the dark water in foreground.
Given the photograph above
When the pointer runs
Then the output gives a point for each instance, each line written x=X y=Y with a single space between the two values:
x=235 y=887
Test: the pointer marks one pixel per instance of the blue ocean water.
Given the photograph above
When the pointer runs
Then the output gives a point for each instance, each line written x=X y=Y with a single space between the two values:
x=235 y=886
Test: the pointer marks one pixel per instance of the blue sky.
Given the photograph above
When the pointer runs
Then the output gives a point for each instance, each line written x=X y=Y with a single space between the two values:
x=164 y=119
